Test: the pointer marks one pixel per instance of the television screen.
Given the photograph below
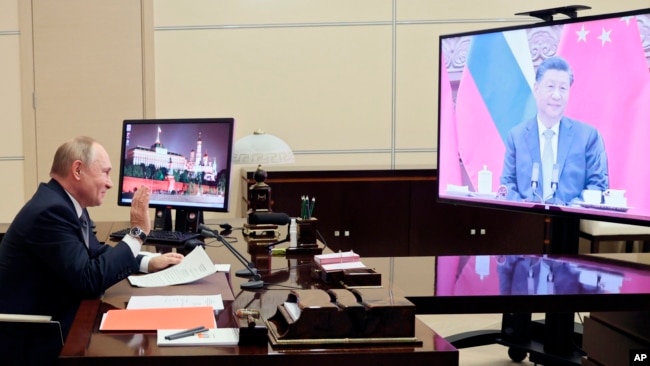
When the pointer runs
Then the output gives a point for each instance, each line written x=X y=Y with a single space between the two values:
x=550 y=117
x=185 y=162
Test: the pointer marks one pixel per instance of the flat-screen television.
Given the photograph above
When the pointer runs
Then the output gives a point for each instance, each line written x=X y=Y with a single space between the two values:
x=586 y=80
x=186 y=163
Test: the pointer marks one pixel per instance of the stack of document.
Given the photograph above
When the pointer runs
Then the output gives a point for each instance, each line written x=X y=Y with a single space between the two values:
x=172 y=314
x=339 y=261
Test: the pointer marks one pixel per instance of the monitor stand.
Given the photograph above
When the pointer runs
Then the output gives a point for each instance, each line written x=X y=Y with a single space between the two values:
x=554 y=340
x=557 y=339
x=187 y=220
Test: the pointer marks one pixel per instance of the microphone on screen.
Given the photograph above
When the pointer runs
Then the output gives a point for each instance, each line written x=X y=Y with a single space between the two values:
x=534 y=177
x=555 y=177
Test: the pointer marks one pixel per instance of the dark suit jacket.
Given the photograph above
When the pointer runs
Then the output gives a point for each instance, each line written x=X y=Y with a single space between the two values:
x=45 y=267
x=581 y=158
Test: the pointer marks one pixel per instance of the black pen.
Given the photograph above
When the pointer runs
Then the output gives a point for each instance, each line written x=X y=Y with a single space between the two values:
x=186 y=333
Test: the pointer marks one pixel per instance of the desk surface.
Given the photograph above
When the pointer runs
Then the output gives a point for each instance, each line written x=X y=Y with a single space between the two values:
x=87 y=346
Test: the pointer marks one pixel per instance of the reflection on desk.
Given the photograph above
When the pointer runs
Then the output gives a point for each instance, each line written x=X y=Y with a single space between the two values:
x=508 y=283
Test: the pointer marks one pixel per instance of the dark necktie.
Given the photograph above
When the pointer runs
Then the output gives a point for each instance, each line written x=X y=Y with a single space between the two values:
x=84 y=226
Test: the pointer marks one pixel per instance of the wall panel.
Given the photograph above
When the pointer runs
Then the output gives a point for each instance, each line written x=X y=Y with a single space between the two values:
x=317 y=88
x=8 y=15
x=88 y=78
x=168 y=13
x=11 y=136
x=11 y=147
x=12 y=187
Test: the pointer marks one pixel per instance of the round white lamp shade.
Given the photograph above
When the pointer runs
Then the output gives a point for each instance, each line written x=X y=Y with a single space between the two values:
x=262 y=148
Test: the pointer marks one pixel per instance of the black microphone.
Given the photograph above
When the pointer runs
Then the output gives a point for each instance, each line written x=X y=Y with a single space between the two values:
x=255 y=281
x=268 y=218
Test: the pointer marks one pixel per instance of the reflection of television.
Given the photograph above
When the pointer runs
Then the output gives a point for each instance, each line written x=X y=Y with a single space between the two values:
x=536 y=283
x=185 y=162
x=511 y=283
x=487 y=91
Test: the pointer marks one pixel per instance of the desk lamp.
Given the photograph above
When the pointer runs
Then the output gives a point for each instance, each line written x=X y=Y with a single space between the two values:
x=261 y=148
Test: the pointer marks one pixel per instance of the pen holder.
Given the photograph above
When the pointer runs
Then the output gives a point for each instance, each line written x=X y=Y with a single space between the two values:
x=307 y=232
x=253 y=331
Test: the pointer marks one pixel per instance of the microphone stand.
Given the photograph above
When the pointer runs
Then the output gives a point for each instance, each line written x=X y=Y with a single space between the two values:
x=255 y=281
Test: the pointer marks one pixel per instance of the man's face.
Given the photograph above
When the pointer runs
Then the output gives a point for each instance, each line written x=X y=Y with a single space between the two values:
x=96 y=178
x=552 y=95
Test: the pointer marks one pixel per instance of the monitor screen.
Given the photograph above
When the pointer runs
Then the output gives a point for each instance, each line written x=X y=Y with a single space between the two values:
x=549 y=117
x=185 y=162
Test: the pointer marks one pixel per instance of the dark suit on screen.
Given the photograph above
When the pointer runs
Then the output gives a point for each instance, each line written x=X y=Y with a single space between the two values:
x=581 y=158
x=521 y=275
x=45 y=266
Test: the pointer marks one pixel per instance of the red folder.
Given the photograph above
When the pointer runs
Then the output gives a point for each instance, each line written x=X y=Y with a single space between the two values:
x=158 y=318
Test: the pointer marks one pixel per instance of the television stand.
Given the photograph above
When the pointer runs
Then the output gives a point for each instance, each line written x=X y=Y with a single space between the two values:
x=547 y=15
x=546 y=341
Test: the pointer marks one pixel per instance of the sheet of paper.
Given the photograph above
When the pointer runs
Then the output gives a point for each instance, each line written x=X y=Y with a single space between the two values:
x=222 y=267
x=293 y=309
x=25 y=318
x=194 y=266
x=341 y=266
x=175 y=301
x=349 y=256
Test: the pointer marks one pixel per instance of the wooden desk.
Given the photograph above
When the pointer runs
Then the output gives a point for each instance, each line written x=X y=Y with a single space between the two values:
x=87 y=346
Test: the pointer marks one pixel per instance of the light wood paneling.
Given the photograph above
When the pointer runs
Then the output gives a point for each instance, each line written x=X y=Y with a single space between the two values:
x=12 y=189
x=88 y=76
x=11 y=147
x=316 y=88
x=8 y=15
x=210 y=12
x=11 y=136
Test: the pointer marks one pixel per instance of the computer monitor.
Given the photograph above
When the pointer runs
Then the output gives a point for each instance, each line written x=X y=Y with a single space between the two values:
x=495 y=100
x=186 y=163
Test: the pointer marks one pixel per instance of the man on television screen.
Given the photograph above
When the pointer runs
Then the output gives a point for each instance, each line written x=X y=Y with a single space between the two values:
x=552 y=158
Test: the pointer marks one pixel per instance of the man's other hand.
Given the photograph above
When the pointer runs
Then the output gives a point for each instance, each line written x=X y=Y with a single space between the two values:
x=164 y=260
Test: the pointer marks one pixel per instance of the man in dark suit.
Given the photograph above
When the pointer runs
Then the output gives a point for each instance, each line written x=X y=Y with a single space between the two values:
x=574 y=158
x=49 y=258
